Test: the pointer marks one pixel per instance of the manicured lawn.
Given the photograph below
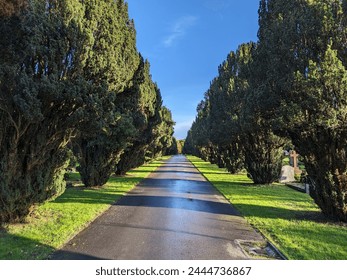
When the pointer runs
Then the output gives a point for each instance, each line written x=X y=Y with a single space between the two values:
x=54 y=223
x=289 y=219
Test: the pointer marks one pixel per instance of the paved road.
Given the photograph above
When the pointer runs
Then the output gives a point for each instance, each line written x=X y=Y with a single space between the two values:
x=173 y=214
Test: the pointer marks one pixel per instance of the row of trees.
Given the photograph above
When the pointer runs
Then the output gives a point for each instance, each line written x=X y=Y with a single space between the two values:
x=72 y=81
x=289 y=86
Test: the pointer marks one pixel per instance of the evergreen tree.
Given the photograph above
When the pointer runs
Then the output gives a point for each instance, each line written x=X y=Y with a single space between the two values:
x=189 y=148
x=145 y=113
x=263 y=149
x=229 y=129
x=41 y=103
x=70 y=70
x=225 y=110
x=111 y=60
x=303 y=47
x=162 y=135
x=200 y=131
x=173 y=149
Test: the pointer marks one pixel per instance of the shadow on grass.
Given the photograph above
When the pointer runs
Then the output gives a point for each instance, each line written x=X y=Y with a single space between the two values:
x=279 y=193
x=249 y=210
x=105 y=195
x=13 y=247
x=276 y=192
x=324 y=236
x=291 y=218
x=127 y=179
x=82 y=197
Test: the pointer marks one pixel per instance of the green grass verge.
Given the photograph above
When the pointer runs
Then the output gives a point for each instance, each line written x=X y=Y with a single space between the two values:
x=53 y=223
x=289 y=219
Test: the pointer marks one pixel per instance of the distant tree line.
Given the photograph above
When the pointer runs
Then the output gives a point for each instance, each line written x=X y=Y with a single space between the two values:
x=291 y=85
x=72 y=82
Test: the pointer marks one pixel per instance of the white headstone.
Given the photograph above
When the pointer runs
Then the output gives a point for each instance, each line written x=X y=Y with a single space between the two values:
x=287 y=174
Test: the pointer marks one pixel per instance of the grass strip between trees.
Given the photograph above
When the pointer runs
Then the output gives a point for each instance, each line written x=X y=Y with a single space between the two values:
x=53 y=223
x=289 y=219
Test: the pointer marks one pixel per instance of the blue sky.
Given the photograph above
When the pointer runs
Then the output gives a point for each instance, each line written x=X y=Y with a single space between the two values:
x=185 y=41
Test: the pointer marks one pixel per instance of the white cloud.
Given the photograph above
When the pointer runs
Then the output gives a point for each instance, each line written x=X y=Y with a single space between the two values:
x=179 y=29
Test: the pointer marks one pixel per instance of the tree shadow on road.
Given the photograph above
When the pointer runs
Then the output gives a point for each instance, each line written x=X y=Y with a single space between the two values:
x=178 y=203
x=69 y=255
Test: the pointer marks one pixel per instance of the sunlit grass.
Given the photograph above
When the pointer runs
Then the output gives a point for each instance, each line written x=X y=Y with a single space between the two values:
x=288 y=218
x=54 y=223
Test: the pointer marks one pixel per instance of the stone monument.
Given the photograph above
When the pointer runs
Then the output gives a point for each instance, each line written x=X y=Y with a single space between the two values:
x=287 y=174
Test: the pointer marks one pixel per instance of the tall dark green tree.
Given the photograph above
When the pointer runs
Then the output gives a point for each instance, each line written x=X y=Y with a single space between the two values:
x=263 y=149
x=41 y=103
x=144 y=108
x=162 y=134
x=303 y=48
x=199 y=133
x=225 y=111
x=70 y=70
x=229 y=129
x=173 y=149
x=189 y=148
x=111 y=60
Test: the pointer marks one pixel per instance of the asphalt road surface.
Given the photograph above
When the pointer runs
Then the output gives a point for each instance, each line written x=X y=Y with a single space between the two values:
x=174 y=214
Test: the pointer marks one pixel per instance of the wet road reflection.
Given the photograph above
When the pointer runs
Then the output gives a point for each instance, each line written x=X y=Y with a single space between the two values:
x=173 y=214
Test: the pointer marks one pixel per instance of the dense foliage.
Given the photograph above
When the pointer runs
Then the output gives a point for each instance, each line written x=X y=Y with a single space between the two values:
x=303 y=45
x=229 y=130
x=111 y=63
x=70 y=76
x=145 y=107
x=292 y=83
x=162 y=135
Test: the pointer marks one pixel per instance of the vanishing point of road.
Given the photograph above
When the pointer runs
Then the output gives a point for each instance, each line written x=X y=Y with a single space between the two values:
x=174 y=214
